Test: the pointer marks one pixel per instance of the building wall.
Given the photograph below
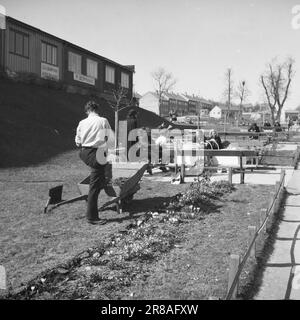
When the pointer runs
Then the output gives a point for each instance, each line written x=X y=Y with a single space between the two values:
x=216 y=113
x=31 y=64
x=150 y=102
x=2 y=49
x=192 y=107
x=69 y=76
x=293 y=115
x=164 y=108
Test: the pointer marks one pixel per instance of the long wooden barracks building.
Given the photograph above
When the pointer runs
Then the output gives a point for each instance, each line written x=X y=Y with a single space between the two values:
x=24 y=48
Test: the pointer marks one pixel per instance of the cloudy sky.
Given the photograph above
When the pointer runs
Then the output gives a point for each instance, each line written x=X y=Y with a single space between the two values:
x=196 y=40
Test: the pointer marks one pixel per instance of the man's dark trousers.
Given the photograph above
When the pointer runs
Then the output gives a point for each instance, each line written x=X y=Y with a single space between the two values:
x=97 y=181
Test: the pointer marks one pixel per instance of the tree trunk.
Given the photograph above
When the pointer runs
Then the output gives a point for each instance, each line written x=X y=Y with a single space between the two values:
x=116 y=129
x=272 y=117
x=278 y=116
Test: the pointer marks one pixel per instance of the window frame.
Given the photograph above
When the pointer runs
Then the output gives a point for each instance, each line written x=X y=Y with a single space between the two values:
x=128 y=79
x=76 y=54
x=96 y=63
x=24 y=35
x=52 y=46
x=114 y=73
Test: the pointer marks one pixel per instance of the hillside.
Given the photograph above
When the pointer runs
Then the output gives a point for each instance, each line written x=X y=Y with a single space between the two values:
x=37 y=122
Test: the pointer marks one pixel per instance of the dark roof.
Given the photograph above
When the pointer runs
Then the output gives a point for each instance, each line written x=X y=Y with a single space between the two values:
x=196 y=99
x=25 y=25
x=175 y=96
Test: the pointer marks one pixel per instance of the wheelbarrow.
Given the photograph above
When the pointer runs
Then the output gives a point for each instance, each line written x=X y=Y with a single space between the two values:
x=130 y=172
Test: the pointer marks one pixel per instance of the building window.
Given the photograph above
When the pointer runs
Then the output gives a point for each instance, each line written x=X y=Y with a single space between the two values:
x=110 y=74
x=49 y=53
x=92 y=68
x=74 y=62
x=124 y=80
x=19 y=43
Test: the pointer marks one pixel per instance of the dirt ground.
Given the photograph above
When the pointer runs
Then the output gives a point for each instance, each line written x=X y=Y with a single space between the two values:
x=32 y=241
x=195 y=266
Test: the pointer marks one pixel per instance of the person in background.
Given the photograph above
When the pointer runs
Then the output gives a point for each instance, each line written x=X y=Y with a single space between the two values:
x=290 y=123
x=215 y=139
x=267 y=124
x=164 y=125
x=277 y=127
x=91 y=134
x=254 y=128
x=174 y=116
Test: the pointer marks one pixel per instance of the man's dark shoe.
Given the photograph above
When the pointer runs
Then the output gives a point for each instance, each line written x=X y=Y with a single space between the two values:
x=97 y=222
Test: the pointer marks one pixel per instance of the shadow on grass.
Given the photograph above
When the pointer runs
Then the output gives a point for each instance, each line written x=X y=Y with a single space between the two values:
x=252 y=288
x=142 y=205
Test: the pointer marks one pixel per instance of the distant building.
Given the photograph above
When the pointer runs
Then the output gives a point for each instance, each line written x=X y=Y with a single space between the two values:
x=216 y=113
x=219 y=112
x=150 y=101
x=182 y=104
x=177 y=103
x=291 y=115
x=197 y=105
x=192 y=103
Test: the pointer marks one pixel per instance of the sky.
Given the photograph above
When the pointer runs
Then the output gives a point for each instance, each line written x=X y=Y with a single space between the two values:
x=195 y=40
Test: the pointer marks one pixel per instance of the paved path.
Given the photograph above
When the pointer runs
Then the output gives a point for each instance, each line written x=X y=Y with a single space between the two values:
x=281 y=278
x=266 y=177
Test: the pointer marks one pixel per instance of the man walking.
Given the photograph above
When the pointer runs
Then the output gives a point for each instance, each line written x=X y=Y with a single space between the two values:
x=91 y=134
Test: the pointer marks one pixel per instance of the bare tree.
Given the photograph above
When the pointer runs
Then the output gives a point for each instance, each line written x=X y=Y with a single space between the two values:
x=242 y=93
x=228 y=92
x=164 y=82
x=118 y=103
x=276 y=83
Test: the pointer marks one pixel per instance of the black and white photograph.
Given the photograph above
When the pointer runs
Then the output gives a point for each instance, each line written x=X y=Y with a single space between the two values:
x=149 y=153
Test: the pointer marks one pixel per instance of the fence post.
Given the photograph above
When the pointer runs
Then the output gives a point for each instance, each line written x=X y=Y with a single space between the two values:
x=242 y=176
x=296 y=158
x=251 y=234
x=3 y=279
x=262 y=216
x=234 y=263
x=277 y=200
x=230 y=176
x=269 y=222
x=242 y=173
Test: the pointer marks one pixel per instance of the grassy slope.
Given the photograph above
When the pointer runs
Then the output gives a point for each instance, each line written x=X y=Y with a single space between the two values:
x=37 y=123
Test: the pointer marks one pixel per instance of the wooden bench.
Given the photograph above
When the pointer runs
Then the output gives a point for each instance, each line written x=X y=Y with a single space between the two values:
x=234 y=153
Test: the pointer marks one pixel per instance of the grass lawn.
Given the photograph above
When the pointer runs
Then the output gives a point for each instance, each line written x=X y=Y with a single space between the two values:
x=190 y=263
x=31 y=240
